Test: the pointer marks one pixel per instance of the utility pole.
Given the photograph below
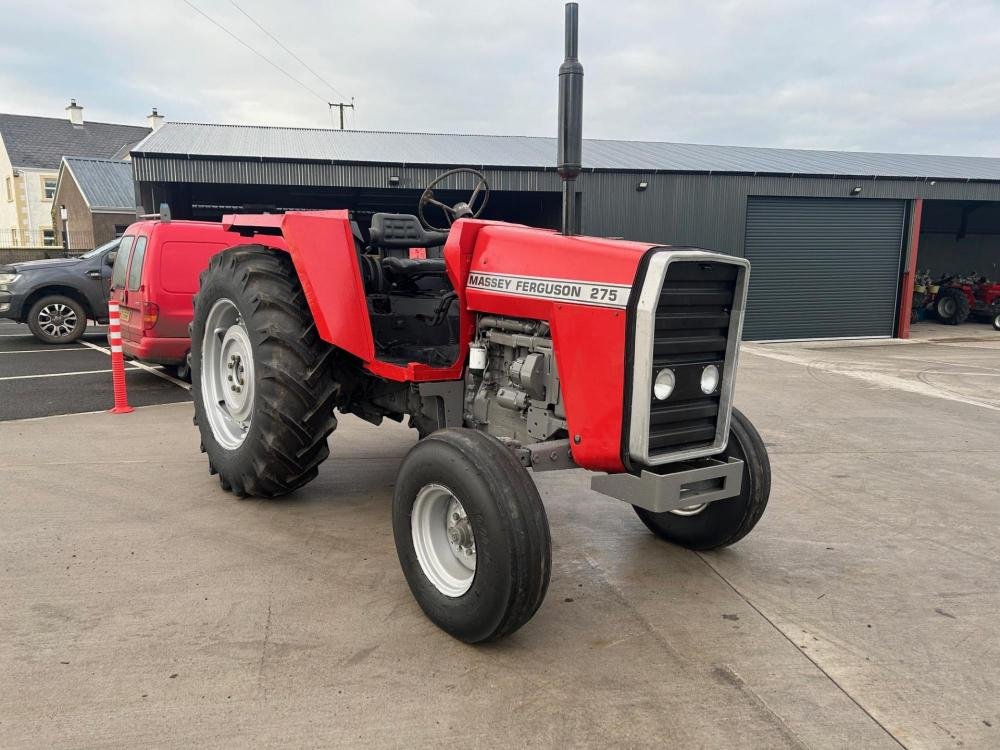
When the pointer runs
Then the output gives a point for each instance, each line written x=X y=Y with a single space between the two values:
x=341 y=106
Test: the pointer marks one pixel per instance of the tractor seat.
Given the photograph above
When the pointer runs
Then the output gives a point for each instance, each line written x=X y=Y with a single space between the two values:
x=402 y=231
x=413 y=268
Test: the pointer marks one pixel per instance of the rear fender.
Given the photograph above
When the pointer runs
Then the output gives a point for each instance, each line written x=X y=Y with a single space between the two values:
x=321 y=246
x=323 y=252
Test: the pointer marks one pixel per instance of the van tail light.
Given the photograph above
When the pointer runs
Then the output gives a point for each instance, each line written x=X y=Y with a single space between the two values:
x=150 y=314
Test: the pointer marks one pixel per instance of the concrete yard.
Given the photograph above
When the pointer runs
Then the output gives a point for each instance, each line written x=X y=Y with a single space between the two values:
x=143 y=606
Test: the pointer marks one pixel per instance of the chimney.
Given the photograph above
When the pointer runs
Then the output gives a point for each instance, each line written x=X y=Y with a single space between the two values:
x=75 y=112
x=154 y=119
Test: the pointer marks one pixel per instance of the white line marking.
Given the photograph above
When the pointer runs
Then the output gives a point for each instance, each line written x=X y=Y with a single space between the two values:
x=871 y=376
x=141 y=366
x=48 y=351
x=53 y=375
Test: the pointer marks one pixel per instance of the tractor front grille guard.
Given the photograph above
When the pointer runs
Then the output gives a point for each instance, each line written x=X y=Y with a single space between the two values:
x=688 y=321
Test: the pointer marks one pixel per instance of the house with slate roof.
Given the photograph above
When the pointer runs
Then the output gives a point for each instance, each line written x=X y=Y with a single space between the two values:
x=31 y=151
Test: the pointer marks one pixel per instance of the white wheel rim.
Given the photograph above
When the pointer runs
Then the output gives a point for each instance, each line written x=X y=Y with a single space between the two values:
x=443 y=540
x=227 y=375
x=690 y=510
x=57 y=320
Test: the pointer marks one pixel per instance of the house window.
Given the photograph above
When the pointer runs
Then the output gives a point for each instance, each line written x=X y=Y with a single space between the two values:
x=13 y=236
x=9 y=182
x=120 y=229
x=48 y=188
x=49 y=237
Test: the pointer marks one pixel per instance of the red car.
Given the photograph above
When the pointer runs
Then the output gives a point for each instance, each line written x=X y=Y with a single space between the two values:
x=154 y=280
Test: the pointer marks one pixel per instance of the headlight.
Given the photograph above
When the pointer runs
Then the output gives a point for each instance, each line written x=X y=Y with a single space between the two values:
x=9 y=278
x=664 y=384
x=709 y=379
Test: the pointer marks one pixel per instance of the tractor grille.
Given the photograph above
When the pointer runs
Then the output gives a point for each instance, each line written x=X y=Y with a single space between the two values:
x=691 y=331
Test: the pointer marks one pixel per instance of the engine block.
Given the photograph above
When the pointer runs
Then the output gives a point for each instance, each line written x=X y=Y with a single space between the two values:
x=515 y=395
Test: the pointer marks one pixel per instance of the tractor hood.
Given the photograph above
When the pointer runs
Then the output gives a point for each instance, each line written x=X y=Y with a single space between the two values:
x=538 y=269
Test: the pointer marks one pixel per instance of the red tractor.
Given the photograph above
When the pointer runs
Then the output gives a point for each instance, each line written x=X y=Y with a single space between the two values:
x=519 y=348
x=959 y=297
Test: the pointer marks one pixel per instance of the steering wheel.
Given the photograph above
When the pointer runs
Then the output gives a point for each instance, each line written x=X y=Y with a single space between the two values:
x=462 y=209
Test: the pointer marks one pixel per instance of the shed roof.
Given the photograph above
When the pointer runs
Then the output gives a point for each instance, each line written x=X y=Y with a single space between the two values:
x=532 y=152
x=105 y=184
x=40 y=142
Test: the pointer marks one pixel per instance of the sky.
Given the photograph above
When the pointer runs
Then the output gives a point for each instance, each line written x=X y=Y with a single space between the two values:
x=916 y=76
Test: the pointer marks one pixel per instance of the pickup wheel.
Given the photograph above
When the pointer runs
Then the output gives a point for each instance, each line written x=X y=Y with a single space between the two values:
x=723 y=522
x=56 y=319
x=261 y=378
x=471 y=535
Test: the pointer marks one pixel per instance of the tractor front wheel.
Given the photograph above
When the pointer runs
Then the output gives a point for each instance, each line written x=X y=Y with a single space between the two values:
x=723 y=522
x=261 y=378
x=471 y=534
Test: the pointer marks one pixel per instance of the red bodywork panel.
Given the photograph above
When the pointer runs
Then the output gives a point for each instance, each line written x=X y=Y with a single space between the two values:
x=164 y=278
x=588 y=338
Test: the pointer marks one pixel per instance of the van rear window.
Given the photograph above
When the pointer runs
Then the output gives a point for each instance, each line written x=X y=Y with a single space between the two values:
x=181 y=263
x=121 y=262
x=135 y=268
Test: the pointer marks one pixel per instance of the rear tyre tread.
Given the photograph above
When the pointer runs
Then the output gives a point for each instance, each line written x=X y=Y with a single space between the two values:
x=295 y=391
x=962 y=307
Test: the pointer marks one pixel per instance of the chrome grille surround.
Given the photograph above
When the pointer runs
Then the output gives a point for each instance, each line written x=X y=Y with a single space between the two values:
x=643 y=357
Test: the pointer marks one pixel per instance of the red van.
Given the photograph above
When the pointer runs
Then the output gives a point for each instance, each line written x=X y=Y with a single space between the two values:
x=154 y=280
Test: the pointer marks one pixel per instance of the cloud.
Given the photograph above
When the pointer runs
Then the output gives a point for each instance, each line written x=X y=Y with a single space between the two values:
x=917 y=76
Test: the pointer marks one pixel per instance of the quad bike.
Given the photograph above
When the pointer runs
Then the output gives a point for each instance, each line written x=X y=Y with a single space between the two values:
x=519 y=348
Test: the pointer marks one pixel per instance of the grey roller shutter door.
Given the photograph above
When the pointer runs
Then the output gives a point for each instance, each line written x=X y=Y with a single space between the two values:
x=823 y=267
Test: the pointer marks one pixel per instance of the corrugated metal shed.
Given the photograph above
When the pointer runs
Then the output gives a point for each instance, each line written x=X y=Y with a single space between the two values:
x=527 y=152
x=105 y=184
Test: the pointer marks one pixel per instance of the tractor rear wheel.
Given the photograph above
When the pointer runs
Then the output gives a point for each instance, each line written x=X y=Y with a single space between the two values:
x=723 y=522
x=262 y=379
x=952 y=306
x=471 y=534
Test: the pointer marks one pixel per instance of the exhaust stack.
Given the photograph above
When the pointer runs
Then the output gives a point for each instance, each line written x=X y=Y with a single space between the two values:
x=570 y=120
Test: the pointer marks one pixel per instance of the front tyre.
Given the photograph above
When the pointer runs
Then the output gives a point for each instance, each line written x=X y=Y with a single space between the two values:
x=723 y=522
x=261 y=378
x=56 y=319
x=471 y=535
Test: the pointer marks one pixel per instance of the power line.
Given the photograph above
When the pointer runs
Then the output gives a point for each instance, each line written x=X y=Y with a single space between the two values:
x=277 y=41
x=259 y=54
